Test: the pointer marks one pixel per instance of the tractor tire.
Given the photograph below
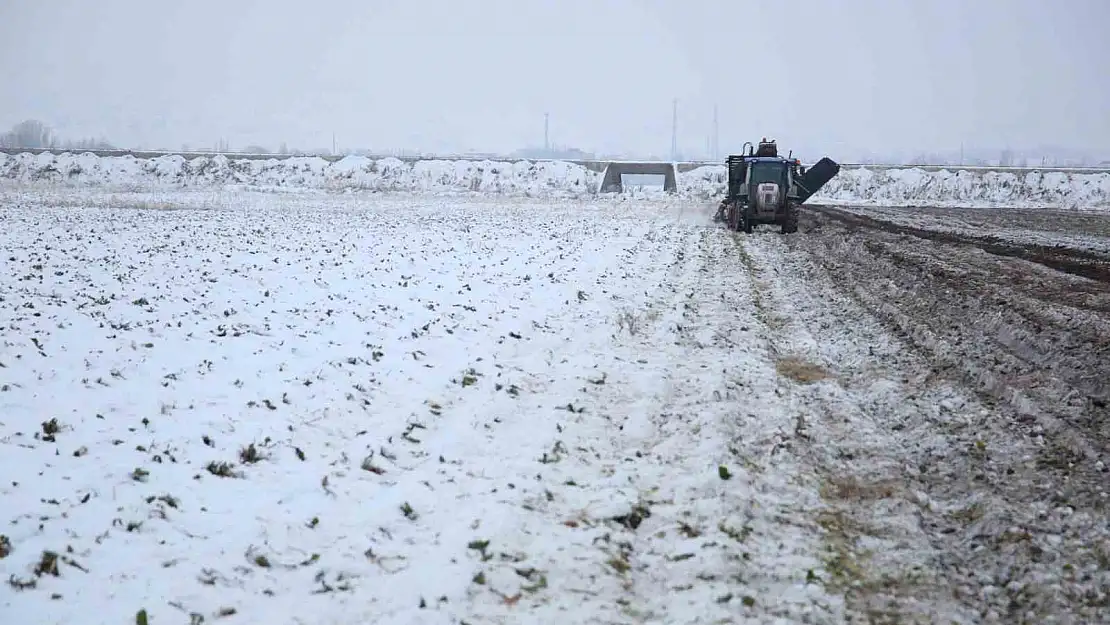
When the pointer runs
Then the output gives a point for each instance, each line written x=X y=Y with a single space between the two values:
x=790 y=219
x=733 y=217
x=749 y=224
x=721 y=214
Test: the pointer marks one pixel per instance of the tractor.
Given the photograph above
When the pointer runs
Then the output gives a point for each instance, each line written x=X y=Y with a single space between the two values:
x=765 y=188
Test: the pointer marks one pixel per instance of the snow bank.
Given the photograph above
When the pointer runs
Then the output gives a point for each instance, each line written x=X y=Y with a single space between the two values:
x=918 y=187
x=302 y=173
x=891 y=187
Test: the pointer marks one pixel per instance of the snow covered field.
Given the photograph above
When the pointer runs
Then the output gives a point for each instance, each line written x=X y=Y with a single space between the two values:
x=888 y=187
x=232 y=406
x=356 y=410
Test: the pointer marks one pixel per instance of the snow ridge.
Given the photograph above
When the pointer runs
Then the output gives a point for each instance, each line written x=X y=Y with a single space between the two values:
x=944 y=188
x=876 y=186
x=352 y=173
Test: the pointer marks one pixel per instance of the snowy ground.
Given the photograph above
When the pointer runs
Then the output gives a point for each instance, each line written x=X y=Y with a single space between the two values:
x=261 y=408
x=480 y=410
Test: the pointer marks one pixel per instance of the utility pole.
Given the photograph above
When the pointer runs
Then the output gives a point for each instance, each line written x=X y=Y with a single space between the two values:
x=546 y=136
x=716 y=135
x=333 y=148
x=674 y=130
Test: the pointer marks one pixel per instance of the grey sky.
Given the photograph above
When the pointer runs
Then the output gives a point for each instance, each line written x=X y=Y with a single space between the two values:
x=828 y=76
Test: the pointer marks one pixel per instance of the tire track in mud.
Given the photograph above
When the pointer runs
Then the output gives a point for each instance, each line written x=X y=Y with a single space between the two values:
x=857 y=415
x=1084 y=263
x=1013 y=483
x=1035 y=340
x=1074 y=228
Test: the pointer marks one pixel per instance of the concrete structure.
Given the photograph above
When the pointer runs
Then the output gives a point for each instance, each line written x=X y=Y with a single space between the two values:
x=611 y=181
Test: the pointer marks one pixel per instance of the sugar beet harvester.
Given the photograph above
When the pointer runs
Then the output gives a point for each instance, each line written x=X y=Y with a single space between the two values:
x=765 y=188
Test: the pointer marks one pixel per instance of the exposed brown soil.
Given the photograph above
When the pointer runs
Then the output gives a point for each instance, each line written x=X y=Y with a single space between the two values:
x=1014 y=484
x=1087 y=264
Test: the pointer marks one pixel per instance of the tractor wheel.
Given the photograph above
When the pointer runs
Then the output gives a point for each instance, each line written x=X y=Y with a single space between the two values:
x=722 y=212
x=733 y=216
x=790 y=219
x=749 y=224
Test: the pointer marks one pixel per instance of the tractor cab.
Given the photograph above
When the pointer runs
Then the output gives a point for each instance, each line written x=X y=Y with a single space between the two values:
x=746 y=173
x=769 y=169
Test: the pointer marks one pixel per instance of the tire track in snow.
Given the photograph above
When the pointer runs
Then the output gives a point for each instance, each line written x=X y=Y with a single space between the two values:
x=696 y=547
x=633 y=522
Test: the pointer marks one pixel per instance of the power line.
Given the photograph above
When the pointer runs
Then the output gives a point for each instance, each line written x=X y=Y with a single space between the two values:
x=716 y=135
x=674 y=130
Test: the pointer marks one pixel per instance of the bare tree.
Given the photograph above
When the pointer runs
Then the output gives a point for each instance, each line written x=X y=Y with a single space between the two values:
x=30 y=134
x=89 y=143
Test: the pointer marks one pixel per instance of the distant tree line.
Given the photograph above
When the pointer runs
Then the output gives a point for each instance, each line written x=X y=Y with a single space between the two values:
x=34 y=134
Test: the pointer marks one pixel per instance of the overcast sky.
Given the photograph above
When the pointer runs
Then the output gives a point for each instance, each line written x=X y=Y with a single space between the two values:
x=828 y=76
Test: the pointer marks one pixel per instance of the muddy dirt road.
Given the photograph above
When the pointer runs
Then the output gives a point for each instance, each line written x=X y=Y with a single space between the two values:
x=983 y=495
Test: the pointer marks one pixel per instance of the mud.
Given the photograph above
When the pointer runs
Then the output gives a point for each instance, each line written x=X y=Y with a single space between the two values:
x=1009 y=481
x=1080 y=262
